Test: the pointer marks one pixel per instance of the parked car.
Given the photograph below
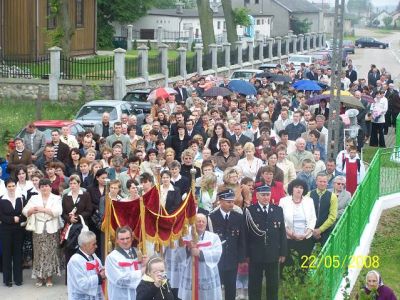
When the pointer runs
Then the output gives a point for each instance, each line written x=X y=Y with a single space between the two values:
x=349 y=46
x=322 y=58
x=370 y=43
x=47 y=126
x=297 y=60
x=267 y=67
x=244 y=74
x=91 y=112
x=138 y=98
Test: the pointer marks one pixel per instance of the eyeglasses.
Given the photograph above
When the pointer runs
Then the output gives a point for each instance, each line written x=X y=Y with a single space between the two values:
x=340 y=183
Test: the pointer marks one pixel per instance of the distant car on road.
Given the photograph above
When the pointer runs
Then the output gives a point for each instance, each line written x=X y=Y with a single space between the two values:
x=244 y=74
x=138 y=98
x=349 y=46
x=368 y=42
x=91 y=112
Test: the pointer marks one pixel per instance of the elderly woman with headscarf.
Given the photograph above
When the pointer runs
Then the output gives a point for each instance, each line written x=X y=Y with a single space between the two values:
x=375 y=289
x=344 y=197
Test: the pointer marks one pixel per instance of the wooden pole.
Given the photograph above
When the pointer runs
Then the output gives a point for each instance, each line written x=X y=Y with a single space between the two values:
x=107 y=235
x=195 y=239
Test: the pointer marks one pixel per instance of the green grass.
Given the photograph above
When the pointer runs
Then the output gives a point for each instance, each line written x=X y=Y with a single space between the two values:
x=18 y=113
x=386 y=245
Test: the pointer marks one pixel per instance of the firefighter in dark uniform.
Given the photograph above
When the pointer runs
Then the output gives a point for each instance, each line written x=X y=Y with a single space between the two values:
x=230 y=227
x=266 y=244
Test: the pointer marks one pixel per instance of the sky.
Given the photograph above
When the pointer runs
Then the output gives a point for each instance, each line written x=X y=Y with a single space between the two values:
x=374 y=2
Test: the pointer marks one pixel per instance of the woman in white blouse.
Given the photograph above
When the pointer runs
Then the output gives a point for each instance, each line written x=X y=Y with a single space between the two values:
x=250 y=164
x=300 y=219
x=46 y=209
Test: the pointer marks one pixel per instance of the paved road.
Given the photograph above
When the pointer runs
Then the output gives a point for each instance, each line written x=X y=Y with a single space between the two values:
x=388 y=58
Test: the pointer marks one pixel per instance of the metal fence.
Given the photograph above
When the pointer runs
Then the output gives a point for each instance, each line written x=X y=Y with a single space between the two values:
x=207 y=61
x=275 y=50
x=382 y=178
x=298 y=45
x=25 y=67
x=191 y=64
x=234 y=56
x=132 y=67
x=245 y=54
x=305 y=44
x=266 y=51
x=256 y=52
x=96 y=68
x=154 y=64
x=221 y=58
x=283 y=47
x=176 y=35
x=174 y=66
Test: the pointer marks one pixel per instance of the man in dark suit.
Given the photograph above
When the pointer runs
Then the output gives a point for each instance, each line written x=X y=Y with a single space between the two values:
x=266 y=244
x=351 y=74
x=190 y=131
x=229 y=225
x=312 y=75
x=61 y=150
x=182 y=93
x=373 y=75
x=238 y=136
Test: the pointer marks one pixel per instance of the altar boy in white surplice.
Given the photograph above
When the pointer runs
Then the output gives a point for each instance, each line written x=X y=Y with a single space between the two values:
x=123 y=268
x=208 y=250
x=85 y=271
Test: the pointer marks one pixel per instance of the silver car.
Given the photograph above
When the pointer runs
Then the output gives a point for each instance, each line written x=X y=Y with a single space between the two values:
x=91 y=112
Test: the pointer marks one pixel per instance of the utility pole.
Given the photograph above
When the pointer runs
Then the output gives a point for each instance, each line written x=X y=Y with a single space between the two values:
x=334 y=107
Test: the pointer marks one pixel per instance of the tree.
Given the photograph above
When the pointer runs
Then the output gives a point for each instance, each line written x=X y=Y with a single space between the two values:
x=358 y=6
x=229 y=21
x=124 y=11
x=299 y=26
x=387 y=21
x=206 y=23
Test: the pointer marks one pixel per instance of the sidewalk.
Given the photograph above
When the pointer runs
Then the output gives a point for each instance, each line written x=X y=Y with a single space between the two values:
x=29 y=291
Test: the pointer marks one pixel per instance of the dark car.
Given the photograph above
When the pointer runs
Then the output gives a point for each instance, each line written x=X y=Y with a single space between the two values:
x=138 y=98
x=348 y=46
x=368 y=42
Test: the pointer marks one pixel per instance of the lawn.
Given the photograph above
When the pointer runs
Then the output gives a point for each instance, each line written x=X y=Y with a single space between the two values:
x=386 y=245
x=15 y=114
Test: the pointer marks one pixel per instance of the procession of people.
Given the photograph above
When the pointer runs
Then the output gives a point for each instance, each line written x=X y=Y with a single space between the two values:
x=256 y=161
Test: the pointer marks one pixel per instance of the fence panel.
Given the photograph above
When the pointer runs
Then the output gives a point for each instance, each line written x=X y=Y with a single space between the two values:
x=207 y=61
x=221 y=58
x=234 y=56
x=275 y=49
x=245 y=55
x=132 y=67
x=390 y=176
x=305 y=44
x=96 y=68
x=174 y=66
x=25 y=67
x=154 y=65
x=266 y=51
x=283 y=47
x=191 y=63
x=298 y=45
x=256 y=52
x=311 y=43
x=291 y=49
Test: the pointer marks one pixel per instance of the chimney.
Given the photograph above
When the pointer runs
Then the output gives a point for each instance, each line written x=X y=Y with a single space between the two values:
x=179 y=8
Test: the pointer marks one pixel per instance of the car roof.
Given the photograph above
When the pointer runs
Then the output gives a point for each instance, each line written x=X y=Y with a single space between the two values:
x=104 y=103
x=140 y=91
x=248 y=70
x=54 y=123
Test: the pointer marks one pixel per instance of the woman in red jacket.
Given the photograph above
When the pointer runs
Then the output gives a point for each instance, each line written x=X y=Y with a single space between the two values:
x=267 y=177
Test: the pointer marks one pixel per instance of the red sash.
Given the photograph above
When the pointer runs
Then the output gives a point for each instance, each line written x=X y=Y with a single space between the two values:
x=125 y=264
x=93 y=265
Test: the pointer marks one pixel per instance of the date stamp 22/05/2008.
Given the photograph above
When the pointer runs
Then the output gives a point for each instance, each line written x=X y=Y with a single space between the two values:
x=337 y=261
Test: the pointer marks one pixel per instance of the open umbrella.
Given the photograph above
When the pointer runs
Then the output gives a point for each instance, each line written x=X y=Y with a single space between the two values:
x=342 y=93
x=242 y=87
x=265 y=74
x=368 y=98
x=317 y=99
x=217 y=91
x=162 y=92
x=348 y=101
x=279 y=78
x=306 y=85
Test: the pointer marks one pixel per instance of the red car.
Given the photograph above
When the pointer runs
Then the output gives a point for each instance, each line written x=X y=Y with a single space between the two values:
x=46 y=126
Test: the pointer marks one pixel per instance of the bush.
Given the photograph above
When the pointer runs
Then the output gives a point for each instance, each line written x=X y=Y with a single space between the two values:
x=134 y=46
x=148 y=44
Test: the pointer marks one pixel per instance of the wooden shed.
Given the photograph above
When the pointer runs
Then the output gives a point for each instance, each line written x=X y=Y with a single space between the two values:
x=25 y=27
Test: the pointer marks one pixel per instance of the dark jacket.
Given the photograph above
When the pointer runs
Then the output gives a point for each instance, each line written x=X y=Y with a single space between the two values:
x=8 y=212
x=83 y=206
x=243 y=139
x=62 y=152
x=174 y=199
x=274 y=242
x=14 y=160
x=146 y=290
x=233 y=233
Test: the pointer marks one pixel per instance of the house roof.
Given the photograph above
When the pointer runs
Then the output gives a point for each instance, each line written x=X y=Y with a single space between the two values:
x=298 y=6
x=191 y=13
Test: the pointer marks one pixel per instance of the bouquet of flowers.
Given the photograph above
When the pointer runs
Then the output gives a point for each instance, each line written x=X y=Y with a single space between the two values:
x=371 y=296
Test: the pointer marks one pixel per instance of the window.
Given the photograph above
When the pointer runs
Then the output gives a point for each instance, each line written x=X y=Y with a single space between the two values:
x=258 y=21
x=219 y=25
x=257 y=1
x=79 y=13
x=51 y=20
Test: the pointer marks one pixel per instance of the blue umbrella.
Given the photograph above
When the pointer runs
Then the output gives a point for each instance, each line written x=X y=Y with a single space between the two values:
x=242 y=87
x=307 y=85
x=317 y=99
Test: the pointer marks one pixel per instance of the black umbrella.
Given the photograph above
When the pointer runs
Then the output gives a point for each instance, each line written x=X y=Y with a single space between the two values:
x=279 y=78
x=263 y=74
x=217 y=91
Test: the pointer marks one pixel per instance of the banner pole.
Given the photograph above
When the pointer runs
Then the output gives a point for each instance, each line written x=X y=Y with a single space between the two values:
x=195 y=239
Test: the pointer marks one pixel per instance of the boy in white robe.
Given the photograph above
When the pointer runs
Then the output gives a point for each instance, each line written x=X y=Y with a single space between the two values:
x=85 y=271
x=123 y=268
x=209 y=251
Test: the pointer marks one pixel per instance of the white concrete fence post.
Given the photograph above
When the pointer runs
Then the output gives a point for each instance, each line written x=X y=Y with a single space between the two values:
x=199 y=57
x=163 y=48
x=301 y=38
x=119 y=74
x=182 y=62
x=55 y=56
x=214 y=59
x=143 y=52
x=130 y=37
x=227 y=49
x=239 y=49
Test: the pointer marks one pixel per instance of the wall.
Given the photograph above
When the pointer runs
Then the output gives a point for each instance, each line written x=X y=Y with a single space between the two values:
x=316 y=19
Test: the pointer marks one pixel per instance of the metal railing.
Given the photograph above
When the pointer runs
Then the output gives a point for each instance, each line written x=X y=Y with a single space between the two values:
x=96 y=68
x=382 y=178
x=154 y=64
x=245 y=55
x=234 y=56
x=207 y=61
x=174 y=66
x=132 y=67
x=191 y=64
x=256 y=52
x=221 y=58
x=25 y=67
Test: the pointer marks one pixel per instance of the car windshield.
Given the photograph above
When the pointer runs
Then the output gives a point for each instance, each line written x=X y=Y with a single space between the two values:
x=318 y=56
x=95 y=112
x=141 y=97
x=243 y=74
x=299 y=59
x=347 y=43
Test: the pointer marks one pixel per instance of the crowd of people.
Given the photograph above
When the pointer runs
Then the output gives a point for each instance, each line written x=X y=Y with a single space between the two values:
x=265 y=187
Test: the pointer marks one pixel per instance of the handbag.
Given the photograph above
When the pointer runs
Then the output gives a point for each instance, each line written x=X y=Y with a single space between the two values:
x=72 y=233
x=97 y=219
x=30 y=223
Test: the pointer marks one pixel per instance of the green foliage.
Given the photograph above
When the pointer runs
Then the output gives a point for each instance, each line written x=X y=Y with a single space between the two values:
x=82 y=95
x=124 y=11
x=55 y=37
x=164 y=3
x=299 y=26
x=178 y=45
x=388 y=21
x=97 y=93
x=241 y=16
x=134 y=45
x=192 y=46
x=148 y=44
